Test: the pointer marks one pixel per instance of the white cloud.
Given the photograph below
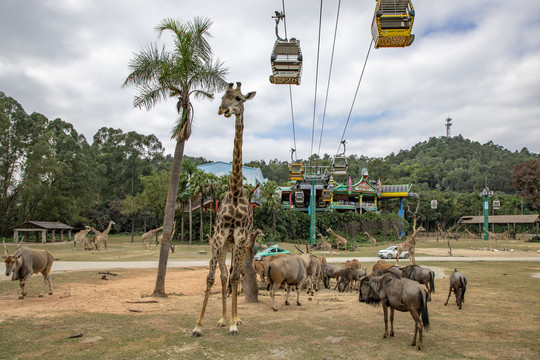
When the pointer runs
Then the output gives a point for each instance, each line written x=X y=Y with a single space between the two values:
x=477 y=62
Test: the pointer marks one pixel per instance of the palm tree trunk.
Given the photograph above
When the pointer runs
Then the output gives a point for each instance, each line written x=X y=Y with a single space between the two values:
x=168 y=219
x=190 y=221
x=201 y=225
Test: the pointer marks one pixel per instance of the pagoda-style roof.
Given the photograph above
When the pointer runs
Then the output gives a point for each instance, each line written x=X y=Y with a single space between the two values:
x=364 y=187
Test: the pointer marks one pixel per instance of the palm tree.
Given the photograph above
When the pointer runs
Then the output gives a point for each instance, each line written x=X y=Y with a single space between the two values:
x=189 y=169
x=200 y=185
x=189 y=69
x=181 y=199
x=213 y=186
x=270 y=200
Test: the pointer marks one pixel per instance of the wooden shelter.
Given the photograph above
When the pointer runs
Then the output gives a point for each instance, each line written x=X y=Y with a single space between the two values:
x=503 y=219
x=43 y=228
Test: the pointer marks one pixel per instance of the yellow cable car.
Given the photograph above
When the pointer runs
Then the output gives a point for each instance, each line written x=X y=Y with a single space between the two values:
x=326 y=195
x=296 y=171
x=286 y=58
x=392 y=23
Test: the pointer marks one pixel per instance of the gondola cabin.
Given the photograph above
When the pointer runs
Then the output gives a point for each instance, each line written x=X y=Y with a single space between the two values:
x=326 y=195
x=286 y=61
x=339 y=165
x=392 y=23
x=299 y=198
x=296 y=172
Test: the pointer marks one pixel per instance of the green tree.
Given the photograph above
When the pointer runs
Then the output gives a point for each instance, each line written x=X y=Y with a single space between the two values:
x=187 y=70
x=270 y=200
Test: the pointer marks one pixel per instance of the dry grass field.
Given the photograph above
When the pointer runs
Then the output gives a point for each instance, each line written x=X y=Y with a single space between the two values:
x=500 y=318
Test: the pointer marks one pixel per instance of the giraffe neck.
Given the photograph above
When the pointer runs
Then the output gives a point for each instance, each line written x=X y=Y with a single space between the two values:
x=235 y=183
x=106 y=231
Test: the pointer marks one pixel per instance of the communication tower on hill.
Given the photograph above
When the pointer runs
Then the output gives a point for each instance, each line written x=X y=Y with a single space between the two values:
x=448 y=124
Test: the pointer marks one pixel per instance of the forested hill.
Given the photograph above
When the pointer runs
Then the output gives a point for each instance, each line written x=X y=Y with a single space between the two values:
x=457 y=164
x=445 y=164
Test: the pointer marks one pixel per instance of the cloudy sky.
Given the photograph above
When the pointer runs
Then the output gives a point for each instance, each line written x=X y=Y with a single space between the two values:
x=477 y=62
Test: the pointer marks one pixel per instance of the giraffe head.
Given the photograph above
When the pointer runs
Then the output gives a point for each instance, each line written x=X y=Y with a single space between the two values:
x=232 y=103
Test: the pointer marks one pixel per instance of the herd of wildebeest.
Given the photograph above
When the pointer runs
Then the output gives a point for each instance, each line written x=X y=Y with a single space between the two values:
x=406 y=289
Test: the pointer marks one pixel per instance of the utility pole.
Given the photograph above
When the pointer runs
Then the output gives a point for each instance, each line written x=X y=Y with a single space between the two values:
x=486 y=193
x=313 y=210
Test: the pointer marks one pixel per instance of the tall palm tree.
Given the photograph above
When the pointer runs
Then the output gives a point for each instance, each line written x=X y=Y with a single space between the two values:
x=189 y=169
x=200 y=185
x=189 y=69
x=212 y=190
x=181 y=200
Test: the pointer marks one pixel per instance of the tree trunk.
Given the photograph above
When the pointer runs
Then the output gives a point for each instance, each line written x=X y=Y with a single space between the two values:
x=190 y=221
x=249 y=280
x=132 y=228
x=168 y=219
x=201 y=225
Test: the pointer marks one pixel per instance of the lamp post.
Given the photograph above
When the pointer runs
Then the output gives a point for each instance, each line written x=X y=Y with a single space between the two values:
x=486 y=193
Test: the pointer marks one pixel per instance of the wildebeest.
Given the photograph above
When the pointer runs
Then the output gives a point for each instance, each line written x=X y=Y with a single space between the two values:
x=290 y=271
x=353 y=264
x=458 y=284
x=314 y=272
x=24 y=262
x=422 y=275
x=348 y=277
x=331 y=271
x=399 y=294
x=381 y=268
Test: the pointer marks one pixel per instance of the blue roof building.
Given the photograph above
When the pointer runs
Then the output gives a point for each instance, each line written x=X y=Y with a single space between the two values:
x=220 y=168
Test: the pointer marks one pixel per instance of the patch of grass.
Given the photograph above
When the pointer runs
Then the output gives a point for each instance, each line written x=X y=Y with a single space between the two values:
x=499 y=320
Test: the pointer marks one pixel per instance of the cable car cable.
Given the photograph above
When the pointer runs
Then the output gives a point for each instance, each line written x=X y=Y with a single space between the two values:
x=316 y=81
x=290 y=90
x=329 y=77
x=355 y=94
x=292 y=117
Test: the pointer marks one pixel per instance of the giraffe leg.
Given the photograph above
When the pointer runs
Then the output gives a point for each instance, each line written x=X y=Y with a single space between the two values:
x=209 y=283
x=224 y=277
x=239 y=254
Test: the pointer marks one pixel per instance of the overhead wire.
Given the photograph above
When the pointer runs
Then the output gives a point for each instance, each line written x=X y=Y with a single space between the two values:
x=354 y=98
x=329 y=77
x=316 y=81
x=290 y=88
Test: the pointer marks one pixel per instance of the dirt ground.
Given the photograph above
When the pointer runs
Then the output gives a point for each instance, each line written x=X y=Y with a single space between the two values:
x=185 y=286
x=130 y=291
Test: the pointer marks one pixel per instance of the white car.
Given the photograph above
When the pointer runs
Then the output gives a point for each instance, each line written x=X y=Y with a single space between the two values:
x=391 y=253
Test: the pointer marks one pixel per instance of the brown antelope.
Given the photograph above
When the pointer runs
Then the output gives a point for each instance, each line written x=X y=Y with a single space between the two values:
x=24 y=262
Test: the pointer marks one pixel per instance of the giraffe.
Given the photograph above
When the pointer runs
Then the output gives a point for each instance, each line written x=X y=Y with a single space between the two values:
x=340 y=240
x=325 y=244
x=491 y=235
x=80 y=237
x=372 y=240
x=148 y=235
x=409 y=244
x=234 y=219
x=102 y=237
